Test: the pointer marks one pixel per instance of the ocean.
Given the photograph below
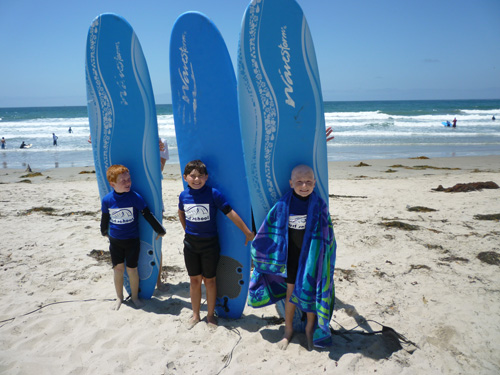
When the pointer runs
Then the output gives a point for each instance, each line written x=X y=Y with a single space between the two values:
x=362 y=130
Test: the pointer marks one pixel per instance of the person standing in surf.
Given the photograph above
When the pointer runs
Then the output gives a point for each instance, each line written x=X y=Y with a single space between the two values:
x=294 y=258
x=54 y=139
x=120 y=223
x=198 y=206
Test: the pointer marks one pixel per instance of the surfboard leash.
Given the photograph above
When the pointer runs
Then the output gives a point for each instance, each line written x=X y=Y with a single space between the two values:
x=229 y=356
x=42 y=306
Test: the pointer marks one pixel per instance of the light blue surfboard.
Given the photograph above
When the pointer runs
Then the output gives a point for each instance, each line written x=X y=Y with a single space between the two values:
x=205 y=107
x=281 y=104
x=123 y=126
x=280 y=101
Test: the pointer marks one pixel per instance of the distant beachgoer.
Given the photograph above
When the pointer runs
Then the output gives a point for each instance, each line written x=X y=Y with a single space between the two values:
x=455 y=122
x=23 y=145
x=54 y=138
x=493 y=118
x=90 y=139
x=164 y=156
x=3 y=143
x=329 y=131
x=70 y=130
x=448 y=123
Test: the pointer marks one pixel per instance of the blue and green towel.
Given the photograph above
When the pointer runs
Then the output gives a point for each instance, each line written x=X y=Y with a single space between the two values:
x=314 y=287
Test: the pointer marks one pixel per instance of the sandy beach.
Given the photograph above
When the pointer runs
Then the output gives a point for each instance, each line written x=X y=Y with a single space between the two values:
x=422 y=263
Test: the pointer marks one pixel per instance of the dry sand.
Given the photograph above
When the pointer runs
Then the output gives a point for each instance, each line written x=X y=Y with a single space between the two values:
x=427 y=284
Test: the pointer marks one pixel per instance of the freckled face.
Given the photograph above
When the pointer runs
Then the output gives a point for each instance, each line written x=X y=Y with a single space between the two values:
x=195 y=180
x=123 y=183
x=303 y=182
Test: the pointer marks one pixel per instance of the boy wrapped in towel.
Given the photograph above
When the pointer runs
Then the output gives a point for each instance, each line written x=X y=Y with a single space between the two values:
x=294 y=258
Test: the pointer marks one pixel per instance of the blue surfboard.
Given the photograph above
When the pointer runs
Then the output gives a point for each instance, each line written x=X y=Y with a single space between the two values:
x=205 y=107
x=123 y=126
x=281 y=105
x=280 y=102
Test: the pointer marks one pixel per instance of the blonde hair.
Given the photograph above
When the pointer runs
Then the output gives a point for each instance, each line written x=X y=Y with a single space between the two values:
x=114 y=171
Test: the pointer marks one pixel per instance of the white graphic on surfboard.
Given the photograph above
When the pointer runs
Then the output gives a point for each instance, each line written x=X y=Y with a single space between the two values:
x=186 y=73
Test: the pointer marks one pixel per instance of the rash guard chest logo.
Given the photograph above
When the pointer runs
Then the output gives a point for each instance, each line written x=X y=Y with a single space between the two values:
x=121 y=215
x=197 y=212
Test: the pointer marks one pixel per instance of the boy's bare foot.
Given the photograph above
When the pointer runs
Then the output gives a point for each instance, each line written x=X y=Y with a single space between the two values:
x=138 y=303
x=162 y=287
x=194 y=321
x=117 y=304
x=283 y=344
x=310 y=345
x=287 y=337
x=212 y=321
x=309 y=337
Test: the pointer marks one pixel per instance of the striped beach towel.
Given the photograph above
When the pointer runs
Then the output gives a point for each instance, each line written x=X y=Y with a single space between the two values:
x=314 y=286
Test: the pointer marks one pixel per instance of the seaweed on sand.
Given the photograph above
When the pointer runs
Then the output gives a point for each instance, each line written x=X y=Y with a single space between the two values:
x=471 y=186
x=489 y=257
x=400 y=225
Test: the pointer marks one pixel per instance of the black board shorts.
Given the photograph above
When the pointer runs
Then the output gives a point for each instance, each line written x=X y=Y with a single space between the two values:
x=125 y=250
x=201 y=255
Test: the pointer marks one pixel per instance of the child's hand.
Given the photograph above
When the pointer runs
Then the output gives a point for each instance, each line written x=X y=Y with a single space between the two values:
x=249 y=237
x=159 y=235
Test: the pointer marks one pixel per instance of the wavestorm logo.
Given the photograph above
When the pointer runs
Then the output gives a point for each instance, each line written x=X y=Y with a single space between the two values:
x=286 y=77
x=184 y=73
x=121 y=80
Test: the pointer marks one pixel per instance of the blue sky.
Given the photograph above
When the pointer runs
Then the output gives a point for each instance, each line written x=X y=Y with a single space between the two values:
x=366 y=50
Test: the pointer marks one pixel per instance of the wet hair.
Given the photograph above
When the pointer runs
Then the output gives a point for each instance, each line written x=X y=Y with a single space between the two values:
x=114 y=171
x=197 y=165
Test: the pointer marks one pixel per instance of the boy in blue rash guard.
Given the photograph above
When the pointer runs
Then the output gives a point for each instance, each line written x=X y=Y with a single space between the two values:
x=198 y=206
x=120 y=223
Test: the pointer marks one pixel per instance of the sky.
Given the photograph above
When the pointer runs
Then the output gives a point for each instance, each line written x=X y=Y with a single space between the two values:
x=366 y=50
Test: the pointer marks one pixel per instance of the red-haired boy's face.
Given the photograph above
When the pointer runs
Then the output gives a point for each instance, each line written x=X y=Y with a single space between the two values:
x=123 y=183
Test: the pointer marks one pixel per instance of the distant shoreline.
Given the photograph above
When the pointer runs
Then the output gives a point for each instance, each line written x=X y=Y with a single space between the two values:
x=337 y=170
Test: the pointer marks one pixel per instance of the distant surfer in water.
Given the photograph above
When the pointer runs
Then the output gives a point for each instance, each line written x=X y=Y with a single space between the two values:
x=23 y=145
x=54 y=139
x=3 y=143
x=294 y=257
x=120 y=223
x=455 y=122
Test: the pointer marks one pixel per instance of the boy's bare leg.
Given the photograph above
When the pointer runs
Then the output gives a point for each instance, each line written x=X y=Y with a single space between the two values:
x=195 y=294
x=311 y=320
x=211 y=287
x=289 y=312
x=133 y=276
x=159 y=285
x=118 y=279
